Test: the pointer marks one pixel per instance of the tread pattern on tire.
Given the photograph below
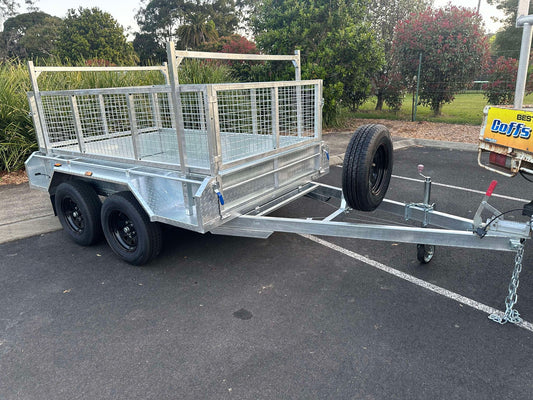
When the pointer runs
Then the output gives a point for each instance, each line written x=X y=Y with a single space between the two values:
x=88 y=198
x=354 y=176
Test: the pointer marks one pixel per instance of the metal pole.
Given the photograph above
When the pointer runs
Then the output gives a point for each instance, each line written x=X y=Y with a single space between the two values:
x=413 y=105
x=417 y=84
x=521 y=75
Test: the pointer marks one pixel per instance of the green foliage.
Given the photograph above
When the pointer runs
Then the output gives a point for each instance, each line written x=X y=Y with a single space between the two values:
x=502 y=81
x=336 y=44
x=389 y=89
x=454 y=50
x=149 y=50
x=92 y=33
x=17 y=137
x=31 y=34
x=197 y=29
x=7 y=9
x=198 y=71
x=189 y=23
x=384 y=15
x=508 y=39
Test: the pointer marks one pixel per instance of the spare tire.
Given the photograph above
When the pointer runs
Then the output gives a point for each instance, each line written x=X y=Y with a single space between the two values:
x=367 y=167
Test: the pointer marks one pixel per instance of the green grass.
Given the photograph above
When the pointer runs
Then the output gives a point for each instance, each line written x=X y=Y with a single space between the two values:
x=466 y=109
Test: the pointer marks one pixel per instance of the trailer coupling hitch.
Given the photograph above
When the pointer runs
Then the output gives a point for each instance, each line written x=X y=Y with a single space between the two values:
x=497 y=222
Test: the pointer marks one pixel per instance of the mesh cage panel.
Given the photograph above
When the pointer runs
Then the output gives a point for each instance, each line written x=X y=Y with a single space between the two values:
x=140 y=124
x=258 y=120
x=59 y=120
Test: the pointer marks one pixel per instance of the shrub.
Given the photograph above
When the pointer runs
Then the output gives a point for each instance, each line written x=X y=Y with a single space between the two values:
x=390 y=86
x=502 y=81
x=17 y=136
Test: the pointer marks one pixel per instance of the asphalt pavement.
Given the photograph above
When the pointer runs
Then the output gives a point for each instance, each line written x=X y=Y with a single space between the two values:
x=289 y=317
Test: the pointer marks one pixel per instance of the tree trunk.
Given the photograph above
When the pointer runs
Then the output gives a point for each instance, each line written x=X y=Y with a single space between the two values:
x=437 y=111
x=379 y=103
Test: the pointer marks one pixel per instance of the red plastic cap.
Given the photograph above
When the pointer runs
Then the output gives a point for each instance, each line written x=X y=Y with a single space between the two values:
x=491 y=188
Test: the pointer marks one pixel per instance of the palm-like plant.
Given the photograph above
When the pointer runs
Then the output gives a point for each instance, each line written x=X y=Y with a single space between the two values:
x=197 y=28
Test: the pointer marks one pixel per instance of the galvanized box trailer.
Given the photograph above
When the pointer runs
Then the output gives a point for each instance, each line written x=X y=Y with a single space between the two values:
x=219 y=158
x=193 y=156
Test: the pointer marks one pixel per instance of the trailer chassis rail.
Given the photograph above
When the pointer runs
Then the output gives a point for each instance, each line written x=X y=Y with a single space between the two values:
x=453 y=230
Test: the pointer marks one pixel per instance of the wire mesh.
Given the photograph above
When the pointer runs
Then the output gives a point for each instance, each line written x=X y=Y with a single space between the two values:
x=59 y=120
x=258 y=120
x=141 y=125
x=195 y=126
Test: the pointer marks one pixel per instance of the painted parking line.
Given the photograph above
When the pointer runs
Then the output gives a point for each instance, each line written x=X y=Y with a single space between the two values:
x=416 y=281
x=501 y=196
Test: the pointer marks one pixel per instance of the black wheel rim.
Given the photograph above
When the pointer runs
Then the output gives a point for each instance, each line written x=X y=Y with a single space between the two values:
x=73 y=215
x=123 y=231
x=377 y=172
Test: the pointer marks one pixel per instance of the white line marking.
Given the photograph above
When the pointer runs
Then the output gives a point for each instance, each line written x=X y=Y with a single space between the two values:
x=419 y=282
x=458 y=188
x=463 y=188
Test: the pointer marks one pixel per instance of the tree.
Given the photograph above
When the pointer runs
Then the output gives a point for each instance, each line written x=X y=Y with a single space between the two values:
x=92 y=33
x=189 y=23
x=149 y=50
x=454 y=50
x=508 y=38
x=160 y=19
x=502 y=81
x=225 y=14
x=9 y=8
x=197 y=28
x=336 y=44
x=384 y=15
x=31 y=34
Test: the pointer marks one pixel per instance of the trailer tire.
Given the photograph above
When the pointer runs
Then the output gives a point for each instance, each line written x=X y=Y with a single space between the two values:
x=367 y=167
x=128 y=230
x=78 y=208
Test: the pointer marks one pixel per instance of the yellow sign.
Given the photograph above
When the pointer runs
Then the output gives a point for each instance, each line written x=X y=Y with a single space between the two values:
x=509 y=128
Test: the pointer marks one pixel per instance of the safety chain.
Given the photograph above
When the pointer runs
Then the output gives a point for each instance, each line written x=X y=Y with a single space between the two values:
x=512 y=315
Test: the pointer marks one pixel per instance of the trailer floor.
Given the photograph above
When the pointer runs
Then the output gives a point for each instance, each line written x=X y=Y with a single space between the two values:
x=285 y=318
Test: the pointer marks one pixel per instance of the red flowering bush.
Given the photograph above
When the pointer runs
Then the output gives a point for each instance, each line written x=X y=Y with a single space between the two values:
x=502 y=81
x=454 y=51
x=230 y=44
x=241 y=70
